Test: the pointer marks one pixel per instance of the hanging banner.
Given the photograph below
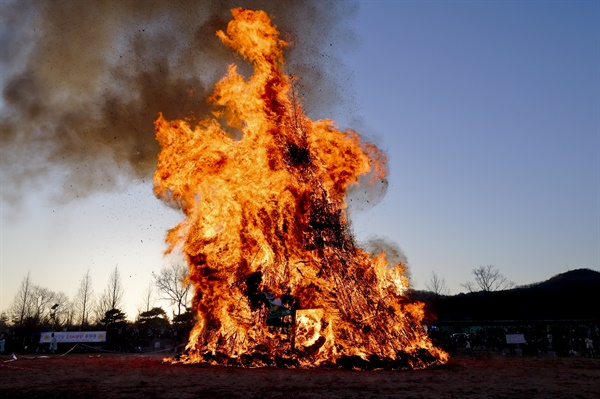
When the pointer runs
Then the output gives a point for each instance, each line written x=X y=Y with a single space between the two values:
x=515 y=339
x=73 y=336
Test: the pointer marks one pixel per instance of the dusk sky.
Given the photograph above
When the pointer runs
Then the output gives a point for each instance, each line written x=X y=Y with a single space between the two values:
x=489 y=113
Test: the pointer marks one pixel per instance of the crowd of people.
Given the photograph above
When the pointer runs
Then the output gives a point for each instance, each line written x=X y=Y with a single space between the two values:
x=125 y=339
x=538 y=339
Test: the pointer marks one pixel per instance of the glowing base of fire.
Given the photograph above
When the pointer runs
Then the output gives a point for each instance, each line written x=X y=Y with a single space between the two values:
x=405 y=361
x=300 y=346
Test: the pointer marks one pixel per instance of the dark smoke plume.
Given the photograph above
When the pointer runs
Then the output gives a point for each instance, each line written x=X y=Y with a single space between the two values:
x=83 y=81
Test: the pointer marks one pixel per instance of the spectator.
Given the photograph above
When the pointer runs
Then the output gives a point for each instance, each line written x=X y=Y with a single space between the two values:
x=53 y=343
x=589 y=347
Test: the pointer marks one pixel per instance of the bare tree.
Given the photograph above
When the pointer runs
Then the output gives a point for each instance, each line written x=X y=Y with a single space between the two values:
x=437 y=285
x=112 y=297
x=173 y=284
x=84 y=300
x=69 y=317
x=61 y=310
x=42 y=301
x=148 y=300
x=35 y=305
x=20 y=308
x=488 y=278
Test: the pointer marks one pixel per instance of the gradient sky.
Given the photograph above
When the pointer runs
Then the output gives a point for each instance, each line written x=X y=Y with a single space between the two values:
x=489 y=113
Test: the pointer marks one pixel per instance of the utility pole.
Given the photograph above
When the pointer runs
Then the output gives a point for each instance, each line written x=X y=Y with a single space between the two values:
x=53 y=315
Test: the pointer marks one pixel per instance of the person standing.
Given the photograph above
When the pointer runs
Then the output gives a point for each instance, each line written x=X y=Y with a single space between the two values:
x=589 y=347
x=53 y=343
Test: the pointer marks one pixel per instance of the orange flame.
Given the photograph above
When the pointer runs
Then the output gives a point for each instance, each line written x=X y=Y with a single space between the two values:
x=265 y=217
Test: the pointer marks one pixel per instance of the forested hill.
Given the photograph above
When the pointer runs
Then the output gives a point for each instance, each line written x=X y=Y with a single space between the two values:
x=573 y=295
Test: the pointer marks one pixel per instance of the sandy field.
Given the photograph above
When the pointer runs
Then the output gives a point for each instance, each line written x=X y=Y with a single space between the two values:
x=110 y=376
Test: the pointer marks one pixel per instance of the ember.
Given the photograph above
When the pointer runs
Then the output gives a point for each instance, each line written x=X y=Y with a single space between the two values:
x=278 y=278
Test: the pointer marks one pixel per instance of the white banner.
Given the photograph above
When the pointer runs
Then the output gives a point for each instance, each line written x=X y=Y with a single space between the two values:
x=515 y=339
x=73 y=336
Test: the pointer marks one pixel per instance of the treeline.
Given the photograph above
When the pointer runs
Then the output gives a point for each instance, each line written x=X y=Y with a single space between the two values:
x=35 y=307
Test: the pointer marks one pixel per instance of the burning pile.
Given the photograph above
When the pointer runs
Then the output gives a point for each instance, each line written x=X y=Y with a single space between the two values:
x=278 y=279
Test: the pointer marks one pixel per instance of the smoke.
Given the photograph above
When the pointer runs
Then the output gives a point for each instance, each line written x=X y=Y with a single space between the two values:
x=394 y=254
x=83 y=81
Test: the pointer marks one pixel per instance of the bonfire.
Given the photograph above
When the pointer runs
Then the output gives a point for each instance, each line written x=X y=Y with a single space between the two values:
x=278 y=277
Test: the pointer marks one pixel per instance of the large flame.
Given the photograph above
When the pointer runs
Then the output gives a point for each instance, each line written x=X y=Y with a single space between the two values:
x=263 y=190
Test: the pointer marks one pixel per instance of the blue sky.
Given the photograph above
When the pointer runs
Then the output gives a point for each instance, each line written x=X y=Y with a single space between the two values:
x=489 y=113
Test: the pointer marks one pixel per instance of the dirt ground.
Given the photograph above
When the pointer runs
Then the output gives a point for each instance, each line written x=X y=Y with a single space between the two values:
x=110 y=376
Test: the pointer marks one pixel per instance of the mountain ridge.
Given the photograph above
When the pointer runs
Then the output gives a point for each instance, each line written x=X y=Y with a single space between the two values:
x=572 y=295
